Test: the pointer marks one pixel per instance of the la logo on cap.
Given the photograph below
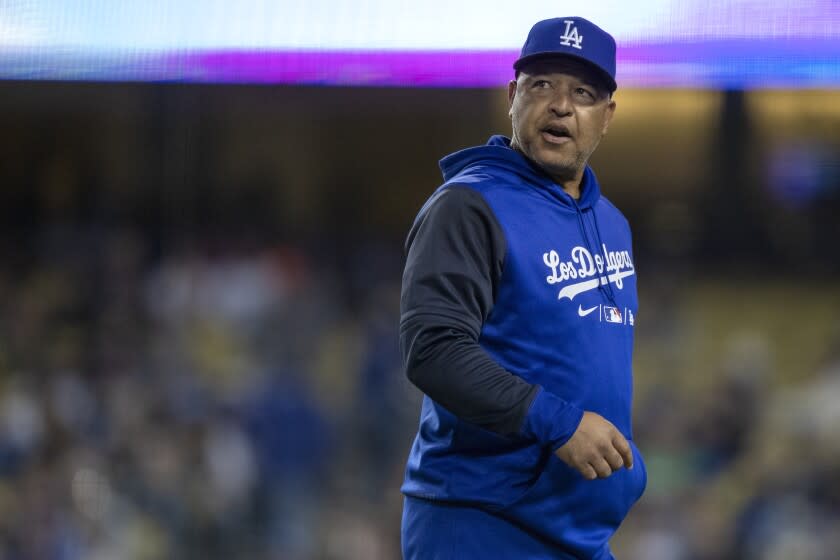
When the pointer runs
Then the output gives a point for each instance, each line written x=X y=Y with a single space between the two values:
x=571 y=38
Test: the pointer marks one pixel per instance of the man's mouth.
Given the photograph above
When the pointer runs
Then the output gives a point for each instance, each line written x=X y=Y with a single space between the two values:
x=556 y=133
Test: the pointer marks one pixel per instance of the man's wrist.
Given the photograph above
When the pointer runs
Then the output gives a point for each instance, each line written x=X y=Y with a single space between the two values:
x=551 y=420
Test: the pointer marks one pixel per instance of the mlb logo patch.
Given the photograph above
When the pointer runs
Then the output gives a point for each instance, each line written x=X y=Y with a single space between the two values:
x=612 y=315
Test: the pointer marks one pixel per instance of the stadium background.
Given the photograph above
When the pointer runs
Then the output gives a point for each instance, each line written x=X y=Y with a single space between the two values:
x=200 y=290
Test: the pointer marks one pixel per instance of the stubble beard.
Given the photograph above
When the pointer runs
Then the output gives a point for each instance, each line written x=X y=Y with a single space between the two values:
x=562 y=172
x=559 y=171
x=559 y=168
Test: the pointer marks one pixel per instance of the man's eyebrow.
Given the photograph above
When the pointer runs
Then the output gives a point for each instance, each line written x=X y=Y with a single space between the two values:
x=592 y=82
x=535 y=76
x=584 y=78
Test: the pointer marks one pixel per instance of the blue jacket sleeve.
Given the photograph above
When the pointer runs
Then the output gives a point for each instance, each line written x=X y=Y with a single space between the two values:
x=454 y=261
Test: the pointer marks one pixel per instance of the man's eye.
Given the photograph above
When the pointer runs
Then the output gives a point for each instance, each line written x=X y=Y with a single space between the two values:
x=541 y=84
x=585 y=92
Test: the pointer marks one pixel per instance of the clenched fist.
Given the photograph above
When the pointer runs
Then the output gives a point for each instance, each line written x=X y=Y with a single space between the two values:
x=596 y=449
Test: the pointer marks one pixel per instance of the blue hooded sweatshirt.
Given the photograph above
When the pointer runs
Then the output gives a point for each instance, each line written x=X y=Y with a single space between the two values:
x=562 y=319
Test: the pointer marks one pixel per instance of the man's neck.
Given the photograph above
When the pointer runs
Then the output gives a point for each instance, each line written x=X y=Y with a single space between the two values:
x=572 y=186
x=572 y=189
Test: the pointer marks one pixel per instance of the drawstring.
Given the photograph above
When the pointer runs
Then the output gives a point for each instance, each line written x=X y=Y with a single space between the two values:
x=606 y=270
x=606 y=290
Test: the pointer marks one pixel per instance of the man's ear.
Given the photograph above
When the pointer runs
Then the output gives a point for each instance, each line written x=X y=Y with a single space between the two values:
x=511 y=94
x=608 y=116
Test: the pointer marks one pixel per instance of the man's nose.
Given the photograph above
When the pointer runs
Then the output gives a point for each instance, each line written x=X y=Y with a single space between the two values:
x=560 y=104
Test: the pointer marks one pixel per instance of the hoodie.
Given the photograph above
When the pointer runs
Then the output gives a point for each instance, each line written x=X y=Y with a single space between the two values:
x=518 y=309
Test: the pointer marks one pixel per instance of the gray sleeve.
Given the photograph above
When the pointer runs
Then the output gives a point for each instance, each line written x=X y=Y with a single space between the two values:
x=455 y=257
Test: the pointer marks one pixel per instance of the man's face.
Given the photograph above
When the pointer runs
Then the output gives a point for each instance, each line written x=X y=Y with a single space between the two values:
x=559 y=115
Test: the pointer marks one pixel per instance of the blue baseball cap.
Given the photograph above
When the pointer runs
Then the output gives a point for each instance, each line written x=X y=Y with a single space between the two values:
x=574 y=37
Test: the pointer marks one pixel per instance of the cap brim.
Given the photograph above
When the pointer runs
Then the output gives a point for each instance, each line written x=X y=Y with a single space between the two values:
x=608 y=80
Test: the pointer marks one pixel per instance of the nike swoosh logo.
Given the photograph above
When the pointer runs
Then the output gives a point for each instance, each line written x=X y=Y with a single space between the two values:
x=584 y=312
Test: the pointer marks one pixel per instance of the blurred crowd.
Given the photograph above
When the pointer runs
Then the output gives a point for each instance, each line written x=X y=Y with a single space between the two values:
x=221 y=400
x=199 y=293
x=743 y=465
x=215 y=397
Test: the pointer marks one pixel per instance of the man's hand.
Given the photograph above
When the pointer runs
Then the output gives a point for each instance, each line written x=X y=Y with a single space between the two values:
x=596 y=449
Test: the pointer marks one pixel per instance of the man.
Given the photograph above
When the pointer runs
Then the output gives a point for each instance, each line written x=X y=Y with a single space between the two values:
x=517 y=314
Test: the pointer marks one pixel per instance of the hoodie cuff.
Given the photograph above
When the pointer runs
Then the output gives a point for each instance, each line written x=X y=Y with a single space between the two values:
x=551 y=420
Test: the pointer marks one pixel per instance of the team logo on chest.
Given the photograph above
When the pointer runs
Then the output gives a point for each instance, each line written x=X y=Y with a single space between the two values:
x=571 y=38
x=585 y=271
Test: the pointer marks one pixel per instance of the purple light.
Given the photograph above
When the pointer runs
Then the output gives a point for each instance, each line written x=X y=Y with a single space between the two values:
x=740 y=63
x=726 y=63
